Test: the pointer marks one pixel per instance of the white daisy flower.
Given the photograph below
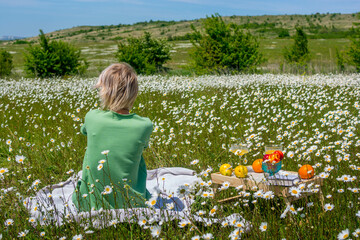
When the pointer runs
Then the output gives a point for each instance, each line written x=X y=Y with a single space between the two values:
x=263 y=226
x=343 y=234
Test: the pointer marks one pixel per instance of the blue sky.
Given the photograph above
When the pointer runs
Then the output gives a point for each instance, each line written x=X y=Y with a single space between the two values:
x=26 y=17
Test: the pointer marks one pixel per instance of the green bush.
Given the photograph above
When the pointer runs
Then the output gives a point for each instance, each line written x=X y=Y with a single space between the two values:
x=299 y=52
x=6 y=63
x=224 y=48
x=55 y=58
x=354 y=54
x=145 y=54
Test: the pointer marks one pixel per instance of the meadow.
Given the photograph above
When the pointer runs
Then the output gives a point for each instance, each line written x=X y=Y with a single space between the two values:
x=195 y=119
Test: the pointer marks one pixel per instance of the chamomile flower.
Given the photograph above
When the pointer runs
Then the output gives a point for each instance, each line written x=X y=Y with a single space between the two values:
x=328 y=207
x=107 y=190
x=343 y=234
x=263 y=226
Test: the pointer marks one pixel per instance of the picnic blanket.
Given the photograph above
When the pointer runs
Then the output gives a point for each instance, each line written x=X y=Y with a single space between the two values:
x=53 y=204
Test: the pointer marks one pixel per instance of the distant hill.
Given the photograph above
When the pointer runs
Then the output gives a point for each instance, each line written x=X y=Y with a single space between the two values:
x=8 y=38
x=328 y=25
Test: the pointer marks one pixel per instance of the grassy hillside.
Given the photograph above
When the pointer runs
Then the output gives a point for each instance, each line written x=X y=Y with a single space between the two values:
x=326 y=32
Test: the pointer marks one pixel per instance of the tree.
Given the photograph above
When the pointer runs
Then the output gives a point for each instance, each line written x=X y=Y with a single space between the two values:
x=6 y=63
x=55 y=58
x=224 y=48
x=354 y=54
x=299 y=52
x=145 y=54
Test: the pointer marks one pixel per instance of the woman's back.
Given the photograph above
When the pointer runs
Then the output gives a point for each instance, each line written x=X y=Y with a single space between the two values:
x=125 y=136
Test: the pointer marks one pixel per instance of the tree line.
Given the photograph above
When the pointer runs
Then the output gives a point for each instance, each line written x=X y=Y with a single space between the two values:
x=218 y=48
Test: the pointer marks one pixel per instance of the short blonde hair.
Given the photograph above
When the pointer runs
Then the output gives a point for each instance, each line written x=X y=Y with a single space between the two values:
x=118 y=87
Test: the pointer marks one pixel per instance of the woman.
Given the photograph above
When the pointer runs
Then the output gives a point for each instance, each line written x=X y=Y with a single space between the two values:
x=114 y=170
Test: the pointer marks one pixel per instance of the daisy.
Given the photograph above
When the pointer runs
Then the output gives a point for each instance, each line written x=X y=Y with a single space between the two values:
x=102 y=161
x=155 y=231
x=263 y=227
x=292 y=209
x=19 y=159
x=194 y=162
x=183 y=223
x=294 y=191
x=8 y=142
x=42 y=234
x=23 y=234
x=107 y=190
x=358 y=214
x=197 y=237
x=100 y=166
x=77 y=237
x=105 y=152
x=213 y=211
x=207 y=236
x=9 y=222
x=328 y=207
x=142 y=221
x=344 y=234
x=113 y=222
x=182 y=191
x=151 y=202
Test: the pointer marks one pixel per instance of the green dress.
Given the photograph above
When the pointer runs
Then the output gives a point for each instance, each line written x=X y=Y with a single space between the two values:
x=116 y=179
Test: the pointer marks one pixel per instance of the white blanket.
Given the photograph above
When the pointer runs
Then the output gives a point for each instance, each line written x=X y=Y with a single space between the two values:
x=53 y=204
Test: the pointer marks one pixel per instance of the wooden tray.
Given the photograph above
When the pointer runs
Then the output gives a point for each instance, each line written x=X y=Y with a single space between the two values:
x=248 y=184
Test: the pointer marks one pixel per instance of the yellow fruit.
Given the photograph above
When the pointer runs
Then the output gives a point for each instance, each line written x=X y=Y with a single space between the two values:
x=226 y=169
x=240 y=171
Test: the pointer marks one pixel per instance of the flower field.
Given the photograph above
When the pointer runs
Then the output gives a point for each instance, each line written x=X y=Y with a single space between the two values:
x=316 y=118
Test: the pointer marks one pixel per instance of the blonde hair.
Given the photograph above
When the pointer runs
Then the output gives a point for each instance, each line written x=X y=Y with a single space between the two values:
x=118 y=87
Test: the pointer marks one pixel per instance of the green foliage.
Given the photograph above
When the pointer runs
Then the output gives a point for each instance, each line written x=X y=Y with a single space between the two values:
x=6 y=63
x=340 y=60
x=145 y=54
x=283 y=33
x=224 y=48
x=55 y=58
x=299 y=52
x=354 y=54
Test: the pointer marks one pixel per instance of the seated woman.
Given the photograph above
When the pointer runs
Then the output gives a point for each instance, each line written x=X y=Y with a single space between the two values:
x=114 y=170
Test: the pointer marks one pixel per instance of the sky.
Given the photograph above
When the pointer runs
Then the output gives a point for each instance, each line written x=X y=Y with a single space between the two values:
x=25 y=17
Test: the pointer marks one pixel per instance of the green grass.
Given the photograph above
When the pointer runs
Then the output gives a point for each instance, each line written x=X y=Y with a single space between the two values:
x=299 y=112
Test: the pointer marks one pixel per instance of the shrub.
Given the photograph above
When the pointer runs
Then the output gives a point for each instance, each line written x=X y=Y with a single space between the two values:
x=145 y=54
x=224 y=48
x=55 y=58
x=299 y=52
x=354 y=54
x=6 y=63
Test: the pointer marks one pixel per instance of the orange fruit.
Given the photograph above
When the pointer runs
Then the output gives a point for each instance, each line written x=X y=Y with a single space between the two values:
x=257 y=165
x=306 y=171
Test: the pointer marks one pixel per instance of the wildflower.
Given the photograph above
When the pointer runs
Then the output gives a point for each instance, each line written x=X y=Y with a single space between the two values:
x=194 y=162
x=294 y=191
x=142 y=221
x=151 y=202
x=263 y=227
x=3 y=170
x=155 y=231
x=100 y=166
x=42 y=234
x=102 y=161
x=213 y=211
x=9 y=222
x=292 y=209
x=107 y=190
x=105 y=152
x=328 y=207
x=225 y=185
x=343 y=234
x=77 y=237
x=207 y=236
x=8 y=142
x=32 y=220
x=197 y=237
x=183 y=223
x=358 y=214
x=113 y=222
x=23 y=234
x=19 y=159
